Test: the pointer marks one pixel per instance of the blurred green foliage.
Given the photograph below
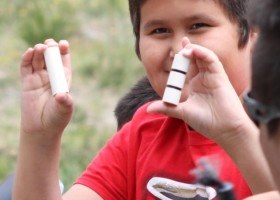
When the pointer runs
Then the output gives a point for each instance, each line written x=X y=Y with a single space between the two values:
x=47 y=19
x=104 y=67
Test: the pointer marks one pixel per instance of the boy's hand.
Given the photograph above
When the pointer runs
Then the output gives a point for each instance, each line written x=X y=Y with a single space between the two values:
x=213 y=107
x=42 y=113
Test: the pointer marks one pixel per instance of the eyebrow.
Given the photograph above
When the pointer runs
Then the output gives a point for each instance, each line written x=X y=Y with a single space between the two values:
x=196 y=17
x=153 y=23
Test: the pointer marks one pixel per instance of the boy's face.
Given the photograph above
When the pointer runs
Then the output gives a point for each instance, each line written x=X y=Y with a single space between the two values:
x=163 y=25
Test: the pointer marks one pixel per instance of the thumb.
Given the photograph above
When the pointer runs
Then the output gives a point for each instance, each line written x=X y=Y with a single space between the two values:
x=166 y=109
x=64 y=103
x=58 y=112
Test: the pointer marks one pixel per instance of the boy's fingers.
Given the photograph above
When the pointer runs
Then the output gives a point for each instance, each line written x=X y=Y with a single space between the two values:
x=64 y=50
x=192 y=72
x=27 y=57
x=209 y=59
x=38 y=61
x=65 y=53
x=64 y=47
x=50 y=42
x=26 y=60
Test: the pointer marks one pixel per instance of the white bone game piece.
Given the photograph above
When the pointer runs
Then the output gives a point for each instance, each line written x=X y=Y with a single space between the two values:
x=176 y=79
x=55 y=70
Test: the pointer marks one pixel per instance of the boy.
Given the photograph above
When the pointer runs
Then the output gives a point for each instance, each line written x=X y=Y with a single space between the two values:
x=154 y=144
x=263 y=101
x=265 y=91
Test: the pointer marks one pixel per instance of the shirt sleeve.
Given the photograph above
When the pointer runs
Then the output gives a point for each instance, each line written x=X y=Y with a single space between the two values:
x=107 y=173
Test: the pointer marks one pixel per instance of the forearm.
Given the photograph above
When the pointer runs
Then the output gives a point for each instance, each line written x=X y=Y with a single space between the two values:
x=273 y=195
x=245 y=150
x=37 y=169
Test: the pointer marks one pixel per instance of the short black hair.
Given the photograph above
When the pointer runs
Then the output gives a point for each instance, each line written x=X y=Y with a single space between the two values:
x=236 y=9
x=265 y=16
x=141 y=93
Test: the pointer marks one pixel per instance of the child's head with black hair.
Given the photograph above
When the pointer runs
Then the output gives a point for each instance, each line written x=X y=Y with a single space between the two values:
x=266 y=59
x=266 y=79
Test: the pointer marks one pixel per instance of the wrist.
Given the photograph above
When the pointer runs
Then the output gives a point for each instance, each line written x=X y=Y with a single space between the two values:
x=246 y=133
x=40 y=139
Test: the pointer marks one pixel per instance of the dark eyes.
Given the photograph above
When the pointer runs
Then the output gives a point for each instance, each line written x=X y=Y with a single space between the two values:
x=198 y=26
x=193 y=27
x=160 y=31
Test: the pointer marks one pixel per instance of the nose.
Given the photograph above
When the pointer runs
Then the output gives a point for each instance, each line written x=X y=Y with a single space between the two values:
x=178 y=43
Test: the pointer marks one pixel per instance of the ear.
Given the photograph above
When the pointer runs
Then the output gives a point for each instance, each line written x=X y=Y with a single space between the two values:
x=253 y=37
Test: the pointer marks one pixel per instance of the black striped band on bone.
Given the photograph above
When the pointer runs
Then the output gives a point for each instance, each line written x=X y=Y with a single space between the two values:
x=176 y=71
x=174 y=87
x=179 y=71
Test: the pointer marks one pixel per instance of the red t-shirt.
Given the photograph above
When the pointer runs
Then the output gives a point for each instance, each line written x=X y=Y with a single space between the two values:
x=153 y=145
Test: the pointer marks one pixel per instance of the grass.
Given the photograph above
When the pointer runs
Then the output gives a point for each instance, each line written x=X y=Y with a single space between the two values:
x=104 y=67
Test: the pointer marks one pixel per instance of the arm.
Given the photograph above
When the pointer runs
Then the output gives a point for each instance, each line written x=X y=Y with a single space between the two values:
x=43 y=119
x=273 y=195
x=81 y=192
x=214 y=109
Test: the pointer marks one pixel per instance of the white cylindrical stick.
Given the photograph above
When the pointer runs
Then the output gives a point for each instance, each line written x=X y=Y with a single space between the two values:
x=55 y=70
x=176 y=80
